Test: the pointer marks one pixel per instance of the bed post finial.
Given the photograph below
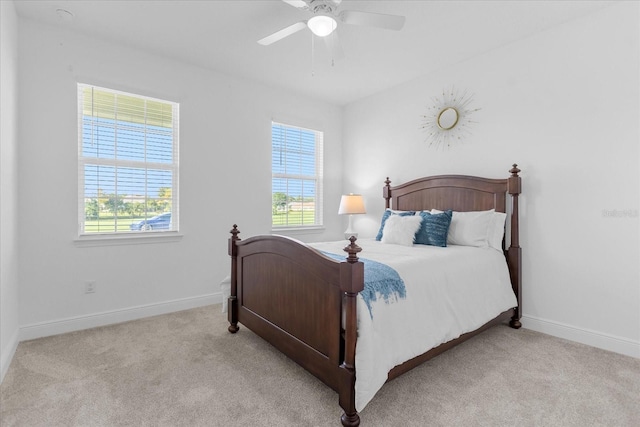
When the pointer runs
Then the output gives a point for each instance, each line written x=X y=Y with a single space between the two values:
x=386 y=192
x=514 y=171
x=232 y=305
x=352 y=249
x=234 y=231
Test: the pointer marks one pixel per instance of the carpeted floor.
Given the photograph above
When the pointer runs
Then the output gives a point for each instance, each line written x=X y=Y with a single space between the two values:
x=185 y=369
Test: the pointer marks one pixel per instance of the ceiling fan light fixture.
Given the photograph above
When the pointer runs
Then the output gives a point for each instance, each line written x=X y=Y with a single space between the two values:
x=322 y=25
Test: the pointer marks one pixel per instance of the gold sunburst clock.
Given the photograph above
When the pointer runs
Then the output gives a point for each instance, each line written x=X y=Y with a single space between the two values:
x=447 y=119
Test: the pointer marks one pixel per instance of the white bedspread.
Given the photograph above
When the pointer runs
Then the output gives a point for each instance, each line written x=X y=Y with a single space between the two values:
x=450 y=291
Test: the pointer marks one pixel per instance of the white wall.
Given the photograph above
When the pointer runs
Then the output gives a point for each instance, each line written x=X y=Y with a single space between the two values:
x=8 y=184
x=563 y=104
x=225 y=160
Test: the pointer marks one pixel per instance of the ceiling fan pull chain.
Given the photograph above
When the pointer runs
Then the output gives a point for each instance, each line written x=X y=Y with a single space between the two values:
x=313 y=54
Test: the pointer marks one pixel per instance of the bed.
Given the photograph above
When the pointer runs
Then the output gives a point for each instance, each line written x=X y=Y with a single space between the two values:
x=309 y=304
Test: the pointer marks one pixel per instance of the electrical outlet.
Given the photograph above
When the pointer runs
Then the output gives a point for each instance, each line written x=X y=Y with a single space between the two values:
x=89 y=287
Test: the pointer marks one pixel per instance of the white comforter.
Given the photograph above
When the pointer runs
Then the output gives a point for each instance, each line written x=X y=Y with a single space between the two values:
x=450 y=291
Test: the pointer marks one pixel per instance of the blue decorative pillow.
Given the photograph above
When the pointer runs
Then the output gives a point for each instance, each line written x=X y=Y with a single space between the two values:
x=434 y=229
x=387 y=213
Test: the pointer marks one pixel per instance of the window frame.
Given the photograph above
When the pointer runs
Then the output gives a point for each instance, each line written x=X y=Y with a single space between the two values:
x=172 y=167
x=317 y=177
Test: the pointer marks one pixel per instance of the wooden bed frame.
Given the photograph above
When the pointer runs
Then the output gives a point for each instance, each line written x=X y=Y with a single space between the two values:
x=297 y=299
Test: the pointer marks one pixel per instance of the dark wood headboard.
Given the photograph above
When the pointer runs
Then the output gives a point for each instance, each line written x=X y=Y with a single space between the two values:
x=464 y=193
x=457 y=192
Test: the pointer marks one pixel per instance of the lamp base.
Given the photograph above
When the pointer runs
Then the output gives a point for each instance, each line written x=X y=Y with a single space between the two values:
x=349 y=231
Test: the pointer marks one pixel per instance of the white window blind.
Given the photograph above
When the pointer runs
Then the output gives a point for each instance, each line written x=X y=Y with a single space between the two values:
x=127 y=162
x=296 y=176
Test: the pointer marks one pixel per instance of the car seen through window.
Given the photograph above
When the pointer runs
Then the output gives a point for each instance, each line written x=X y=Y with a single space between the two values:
x=158 y=222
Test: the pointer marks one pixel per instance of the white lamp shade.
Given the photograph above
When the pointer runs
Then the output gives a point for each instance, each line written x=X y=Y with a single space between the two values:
x=351 y=204
x=322 y=25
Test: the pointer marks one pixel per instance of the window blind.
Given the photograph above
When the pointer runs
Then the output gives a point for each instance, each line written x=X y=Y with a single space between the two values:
x=296 y=184
x=127 y=162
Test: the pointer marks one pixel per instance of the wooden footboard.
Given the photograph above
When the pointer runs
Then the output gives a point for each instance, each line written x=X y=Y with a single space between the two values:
x=294 y=297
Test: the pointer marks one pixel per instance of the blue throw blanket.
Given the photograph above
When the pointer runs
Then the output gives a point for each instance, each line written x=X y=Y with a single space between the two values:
x=378 y=279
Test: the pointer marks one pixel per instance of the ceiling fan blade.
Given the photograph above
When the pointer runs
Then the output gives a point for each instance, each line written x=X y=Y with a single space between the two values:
x=334 y=46
x=279 y=35
x=300 y=4
x=369 y=19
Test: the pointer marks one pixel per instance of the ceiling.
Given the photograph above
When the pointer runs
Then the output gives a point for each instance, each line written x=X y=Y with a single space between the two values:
x=222 y=36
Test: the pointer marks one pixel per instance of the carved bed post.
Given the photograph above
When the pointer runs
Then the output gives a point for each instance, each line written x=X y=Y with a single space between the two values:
x=351 y=282
x=386 y=193
x=514 y=253
x=233 y=301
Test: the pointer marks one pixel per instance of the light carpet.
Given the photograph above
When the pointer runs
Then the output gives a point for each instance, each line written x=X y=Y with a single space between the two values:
x=185 y=369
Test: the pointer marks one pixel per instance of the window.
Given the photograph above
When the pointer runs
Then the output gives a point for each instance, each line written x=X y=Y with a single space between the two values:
x=127 y=162
x=296 y=176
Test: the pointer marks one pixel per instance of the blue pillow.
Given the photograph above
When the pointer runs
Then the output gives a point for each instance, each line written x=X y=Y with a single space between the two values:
x=387 y=213
x=434 y=229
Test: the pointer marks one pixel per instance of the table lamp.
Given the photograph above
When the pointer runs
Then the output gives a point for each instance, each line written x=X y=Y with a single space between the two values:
x=351 y=204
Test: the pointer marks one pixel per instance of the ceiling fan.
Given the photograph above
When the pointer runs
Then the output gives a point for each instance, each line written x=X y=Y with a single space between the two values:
x=326 y=17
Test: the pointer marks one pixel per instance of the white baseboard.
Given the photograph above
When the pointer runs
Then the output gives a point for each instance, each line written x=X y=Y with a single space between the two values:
x=61 y=326
x=584 y=336
x=7 y=356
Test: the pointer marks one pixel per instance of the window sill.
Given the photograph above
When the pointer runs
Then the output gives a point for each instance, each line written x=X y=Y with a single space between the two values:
x=127 y=239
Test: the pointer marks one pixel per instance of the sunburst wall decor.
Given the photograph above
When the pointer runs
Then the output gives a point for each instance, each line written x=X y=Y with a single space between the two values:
x=447 y=120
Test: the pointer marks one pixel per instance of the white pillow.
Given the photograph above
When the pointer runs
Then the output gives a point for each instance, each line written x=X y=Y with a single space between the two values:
x=496 y=230
x=401 y=230
x=470 y=228
x=387 y=213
